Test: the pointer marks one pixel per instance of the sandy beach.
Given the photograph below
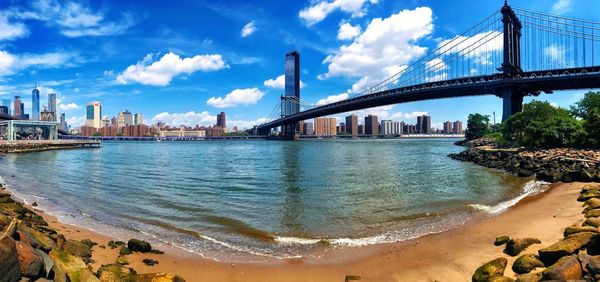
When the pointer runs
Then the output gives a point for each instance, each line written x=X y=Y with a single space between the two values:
x=448 y=256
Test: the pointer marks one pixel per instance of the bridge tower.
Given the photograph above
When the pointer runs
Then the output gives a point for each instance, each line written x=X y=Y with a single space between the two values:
x=290 y=101
x=511 y=66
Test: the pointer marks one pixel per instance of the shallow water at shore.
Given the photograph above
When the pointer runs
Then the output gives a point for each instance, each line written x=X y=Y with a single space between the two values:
x=228 y=199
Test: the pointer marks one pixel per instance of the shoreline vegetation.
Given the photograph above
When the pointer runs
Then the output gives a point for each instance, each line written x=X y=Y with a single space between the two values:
x=23 y=146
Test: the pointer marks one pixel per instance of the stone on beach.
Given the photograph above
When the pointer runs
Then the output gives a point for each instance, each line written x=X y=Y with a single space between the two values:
x=64 y=263
x=501 y=240
x=592 y=213
x=9 y=258
x=31 y=264
x=565 y=247
x=593 y=266
x=139 y=246
x=492 y=268
x=526 y=263
x=565 y=269
x=529 y=277
x=588 y=194
x=515 y=246
x=573 y=230
x=159 y=277
x=125 y=251
x=593 y=203
x=82 y=275
x=37 y=239
x=116 y=273
x=79 y=249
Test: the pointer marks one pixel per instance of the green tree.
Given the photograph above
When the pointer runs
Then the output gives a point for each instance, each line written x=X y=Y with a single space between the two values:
x=590 y=100
x=591 y=124
x=477 y=126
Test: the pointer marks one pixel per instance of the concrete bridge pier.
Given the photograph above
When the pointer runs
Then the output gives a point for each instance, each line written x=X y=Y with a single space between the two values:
x=289 y=132
x=512 y=102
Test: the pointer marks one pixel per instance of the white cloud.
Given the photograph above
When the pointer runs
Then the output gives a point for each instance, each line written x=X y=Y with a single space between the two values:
x=248 y=29
x=188 y=119
x=319 y=10
x=385 y=45
x=12 y=63
x=11 y=31
x=76 y=121
x=413 y=115
x=160 y=73
x=561 y=6
x=555 y=52
x=348 y=31
x=69 y=106
x=478 y=47
x=279 y=82
x=237 y=97
x=246 y=124
x=436 y=64
x=332 y=99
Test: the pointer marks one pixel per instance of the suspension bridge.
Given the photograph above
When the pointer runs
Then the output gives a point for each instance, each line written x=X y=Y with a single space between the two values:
x=511 y=54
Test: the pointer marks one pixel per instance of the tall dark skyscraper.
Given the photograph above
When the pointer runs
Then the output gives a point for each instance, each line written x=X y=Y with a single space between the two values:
x=35 y=104
x=221 y=120
x=352 y=125
x=290 y=101
x=52 y=104
x=371 y=125
x=419 y=124
x=17 y=107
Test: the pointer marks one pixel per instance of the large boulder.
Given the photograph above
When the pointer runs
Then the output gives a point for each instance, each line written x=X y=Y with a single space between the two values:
x=516 y=246
x=591 y=186
x=30 y=262
x=529 y=277
x=565 y=269
x=9 y=258
x=492 y=268
x=592 y=221
x=593 y=266
x=78 y=249
x=82 y=275
x=139 y=246
x=35 y=238
x=588 y=194
x=501 y=279
x=159 y=277
x=574 y=229
x=501 y=240
x=116 y=273
x=526 y=263
x=567 y=246
x=64 y=263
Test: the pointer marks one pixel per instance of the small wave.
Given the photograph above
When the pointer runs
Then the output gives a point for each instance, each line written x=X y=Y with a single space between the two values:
x=531 y=188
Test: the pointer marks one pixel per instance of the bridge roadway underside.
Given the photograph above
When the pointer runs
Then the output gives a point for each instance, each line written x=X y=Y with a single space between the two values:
x=511 y=90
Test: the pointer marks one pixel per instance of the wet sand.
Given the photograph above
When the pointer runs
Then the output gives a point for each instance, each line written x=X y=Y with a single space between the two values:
x=448 y=256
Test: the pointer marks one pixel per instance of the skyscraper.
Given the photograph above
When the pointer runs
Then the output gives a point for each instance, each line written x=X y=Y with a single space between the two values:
x=371 y=125
x=325 y=126
x=63 y=122
x=419 y=124
x=35 y=104
x=352 y=125
x=7 y=104
x=291 y=100
x=426 y=126
x=17 y=107
x=221 y=120
x=93 y=113
x=457 y=127
x=138 y=119
x=52 y=104
x=389 y=127
x=124 y=119
x=447 y=127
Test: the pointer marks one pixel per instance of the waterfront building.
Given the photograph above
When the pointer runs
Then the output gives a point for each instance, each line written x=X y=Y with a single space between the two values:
x=138 y=119
x=448 y=127
x=35 y=104
x=28 y=130
x=371 y=125
x=352 y=124
x=419 y=124
x=361 y=129
x=325 y=126
x=63 y=123
x=87 y=130
x=4 y=110
x=124 y=119
x=389 y=127
x=423 y=124
x=183 y=131
x=307 y=128
x=110 y=130
x=52 y=104
x=7 y=104
x=135 y=130
x=105 y=122
x=17 y=107
x=113 y=121
x=457 y=127
x=342 y=127
x=221 y=120
x=94 y=114
x=23 y=114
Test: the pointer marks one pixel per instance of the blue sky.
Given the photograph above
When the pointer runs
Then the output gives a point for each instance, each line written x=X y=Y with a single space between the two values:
x=182 y=62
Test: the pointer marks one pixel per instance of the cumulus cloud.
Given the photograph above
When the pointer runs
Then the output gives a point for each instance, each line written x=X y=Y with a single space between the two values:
x=76 y=121
x=248 y=29
x=319 y=10
x=555 y=52
x=348 y=31
x=69 y=106
x=237 y=97
x=10 y=30
x=246 y=124
x=279 y=82
x=160 y=72
x=12 y=63
x=332 y=99
x=188 y=119
x=385 y=46
x=561 y=6
x=477 y=47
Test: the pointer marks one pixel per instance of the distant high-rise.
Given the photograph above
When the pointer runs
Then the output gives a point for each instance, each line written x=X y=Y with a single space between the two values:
x=23 y=114
x=307 y=128
x=113 y=121
x=426 y=125
x=419 y=124
x=371 y=125
x=35 y=104
x=389 y=127
x=63 y=122
x=448 y=127
x=93 y=114
x=352 y=125
x=138 y=119
x=124 y=119
x=7 y=104
x=52 y=103
x=325 y=126
x=221 y=120
x=17 y=107
x=457 y=127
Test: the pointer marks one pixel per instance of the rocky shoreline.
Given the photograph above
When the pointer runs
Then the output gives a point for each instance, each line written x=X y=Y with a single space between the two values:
x=551 y=165
x=575 y=257
x=30 y=250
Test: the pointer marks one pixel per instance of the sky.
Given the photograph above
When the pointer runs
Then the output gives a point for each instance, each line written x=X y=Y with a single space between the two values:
x=183 y=62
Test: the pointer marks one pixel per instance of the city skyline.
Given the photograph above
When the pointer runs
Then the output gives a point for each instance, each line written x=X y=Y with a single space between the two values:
x=238 y=71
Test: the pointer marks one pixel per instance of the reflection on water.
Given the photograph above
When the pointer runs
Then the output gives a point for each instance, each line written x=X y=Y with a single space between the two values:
x=249 y=195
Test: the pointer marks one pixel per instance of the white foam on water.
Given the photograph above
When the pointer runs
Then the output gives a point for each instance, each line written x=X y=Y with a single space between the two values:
x=531 y=188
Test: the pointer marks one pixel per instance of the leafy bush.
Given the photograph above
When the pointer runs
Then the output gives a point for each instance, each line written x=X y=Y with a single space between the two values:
x=477 y=126
x=590 y=100
x=496 y=136
x=591 y=124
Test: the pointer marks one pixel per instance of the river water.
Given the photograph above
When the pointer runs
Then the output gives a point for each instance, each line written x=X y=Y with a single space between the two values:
x=230 y=200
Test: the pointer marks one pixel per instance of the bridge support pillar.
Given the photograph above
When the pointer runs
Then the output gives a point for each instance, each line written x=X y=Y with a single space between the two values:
x=288 y=132
x=512 y=102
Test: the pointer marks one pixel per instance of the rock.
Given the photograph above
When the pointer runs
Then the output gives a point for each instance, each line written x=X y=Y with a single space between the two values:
x=501 y=240
x=501 y=279
x=593 y=266
x=78 y=249
x=492 y=268
x=588 y=194
x=35 y=204
x=48 y=262
x=572 y=230
x=548 y=175
x=64 y=263
x=584 y=259
x=524 y=173
x=159 y=277
x=157 y=252
x=149 y=262
x=529 y=277
x=526 y=263
x=592 y=186
x=139 y=246
x=125 y=251
x=122 y=260
x=116 y=273
x=567 y=246
x=30 y=262
x=593 y=203
x=82 y=275
x=592 y=221
x=37 y=239
x=9 y=258
x=584 y=176
x=592 y=213
x=566 y=268
x=89 y=243
x=515 y=246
